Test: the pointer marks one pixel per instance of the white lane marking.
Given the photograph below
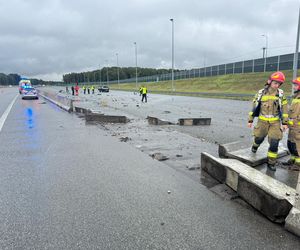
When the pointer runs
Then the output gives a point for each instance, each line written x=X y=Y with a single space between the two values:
x=6 y=112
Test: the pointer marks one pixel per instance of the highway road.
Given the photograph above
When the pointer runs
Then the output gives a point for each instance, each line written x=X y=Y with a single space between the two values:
x=68 y=185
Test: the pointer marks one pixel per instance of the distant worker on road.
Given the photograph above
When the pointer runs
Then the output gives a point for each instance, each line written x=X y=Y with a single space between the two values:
x=293 y=141
x=93 y=89
x=88 y=88
x=141 y=90
x=72 y=88
x=84 y=89
x=76 y=89
x=144 y=94
x=270 y=106
x=67 y=90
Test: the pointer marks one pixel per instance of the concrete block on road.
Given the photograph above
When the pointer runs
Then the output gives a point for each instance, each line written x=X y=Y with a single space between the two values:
x=96 y=117
x=81 y=110
x=156 y=121
x=237 y=150
x=292 y=222
x=269 y=196
x=194 y=121
x=62 y=106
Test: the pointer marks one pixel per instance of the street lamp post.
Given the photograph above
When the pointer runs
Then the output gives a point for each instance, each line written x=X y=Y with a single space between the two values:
x=100 y=74
x=107 y=81
x=266 y=52
x=295 y=65
x=172 y=20
x=118 y=69
x=136 y=74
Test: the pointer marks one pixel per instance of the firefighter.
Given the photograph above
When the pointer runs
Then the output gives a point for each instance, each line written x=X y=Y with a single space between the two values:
x=144 y=94
x=270 y=106
x=293 y=141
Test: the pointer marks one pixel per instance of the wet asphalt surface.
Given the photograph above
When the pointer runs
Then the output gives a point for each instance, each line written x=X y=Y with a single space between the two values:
x=65 y=184
x=182 y=145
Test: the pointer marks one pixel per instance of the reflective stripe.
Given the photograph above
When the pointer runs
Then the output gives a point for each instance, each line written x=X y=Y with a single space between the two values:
x=268 y=97
x=285 y=115
x=297 y=159
x=291 y=122
x=284 y=102
x=296 y=101
x=272 y=155
x=272 y=119
x=251 y=113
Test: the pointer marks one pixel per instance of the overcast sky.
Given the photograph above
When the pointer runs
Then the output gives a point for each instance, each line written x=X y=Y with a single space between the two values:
x=49 y=38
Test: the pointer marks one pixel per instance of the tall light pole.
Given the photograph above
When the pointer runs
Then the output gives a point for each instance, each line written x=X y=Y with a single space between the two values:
x=172 y=20
x=295 y=65
x=118 y=69
x=136 y=74
x=100 y=74
x=107 y=81
x=266 y=52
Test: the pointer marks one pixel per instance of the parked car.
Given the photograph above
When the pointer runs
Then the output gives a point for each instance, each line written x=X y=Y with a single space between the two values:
x=29 y=92
x=103 y=89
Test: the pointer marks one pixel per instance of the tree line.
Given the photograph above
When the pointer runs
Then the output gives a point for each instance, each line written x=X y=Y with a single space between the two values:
x=112 y=74
x=13 y=79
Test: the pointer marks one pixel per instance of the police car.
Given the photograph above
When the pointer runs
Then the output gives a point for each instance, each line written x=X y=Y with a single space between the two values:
x=29 y=92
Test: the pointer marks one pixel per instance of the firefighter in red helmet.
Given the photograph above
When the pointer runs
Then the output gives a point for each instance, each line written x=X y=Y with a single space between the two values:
x=270 y=107
x=293 y=142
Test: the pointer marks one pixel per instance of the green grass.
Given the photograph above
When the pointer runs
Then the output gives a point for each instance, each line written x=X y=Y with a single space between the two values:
x=248 y=83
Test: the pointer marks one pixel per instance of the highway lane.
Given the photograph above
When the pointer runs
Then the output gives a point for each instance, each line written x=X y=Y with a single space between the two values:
x=68 y=185
x=6 y=96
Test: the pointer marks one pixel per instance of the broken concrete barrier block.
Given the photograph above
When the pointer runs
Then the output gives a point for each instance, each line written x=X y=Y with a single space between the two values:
x=155 y=121
x=95 y=117
x=265 y=200
x=292 y=222
x=264 y=193
x=240 y=151
x=194 y=121
x=81 y=110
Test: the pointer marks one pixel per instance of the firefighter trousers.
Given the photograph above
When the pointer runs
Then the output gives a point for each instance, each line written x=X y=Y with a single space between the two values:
x=274 y=133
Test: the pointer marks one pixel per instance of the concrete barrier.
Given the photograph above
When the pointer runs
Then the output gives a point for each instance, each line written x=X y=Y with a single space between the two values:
x=269 y=196
x=82 y=110
x=292 y=222
x=62 y=106
x=240 y=151
x=194 y=121
x=155 y=121
x=96 y=117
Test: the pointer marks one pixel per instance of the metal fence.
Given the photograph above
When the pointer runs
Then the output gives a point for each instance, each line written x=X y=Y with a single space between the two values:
x=274 y=63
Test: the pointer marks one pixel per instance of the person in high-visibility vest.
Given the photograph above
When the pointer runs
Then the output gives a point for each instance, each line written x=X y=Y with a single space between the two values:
x=270 y=106
x=293 y=141
x=93 y=89
x=84 y=89
x=144 y=94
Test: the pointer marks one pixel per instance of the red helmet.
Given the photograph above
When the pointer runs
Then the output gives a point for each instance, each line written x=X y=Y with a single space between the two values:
x=297 y=82
x=277 y=76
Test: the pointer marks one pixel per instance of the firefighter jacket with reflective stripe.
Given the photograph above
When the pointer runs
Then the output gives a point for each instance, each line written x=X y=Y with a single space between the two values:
x=273 y=106
x=294 y=111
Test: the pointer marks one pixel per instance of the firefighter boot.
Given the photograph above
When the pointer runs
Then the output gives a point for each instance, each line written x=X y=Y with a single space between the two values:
x=271 y=167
